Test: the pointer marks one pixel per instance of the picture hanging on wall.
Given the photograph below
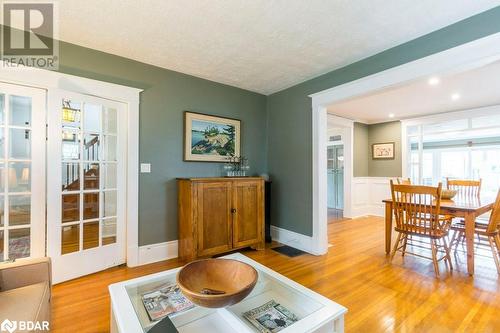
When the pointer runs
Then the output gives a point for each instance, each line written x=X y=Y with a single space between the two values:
x=383 y=151
x=210 y=138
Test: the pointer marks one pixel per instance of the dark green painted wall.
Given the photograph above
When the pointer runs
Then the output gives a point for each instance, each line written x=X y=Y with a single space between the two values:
x=290 y=121
x=166 y=96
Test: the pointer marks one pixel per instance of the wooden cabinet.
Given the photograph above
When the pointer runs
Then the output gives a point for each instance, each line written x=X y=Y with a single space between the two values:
x=217 y=215
x=213 y=218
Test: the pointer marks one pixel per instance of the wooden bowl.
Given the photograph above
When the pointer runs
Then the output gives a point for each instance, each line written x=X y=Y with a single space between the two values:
x=448 y=194
x=216 y=283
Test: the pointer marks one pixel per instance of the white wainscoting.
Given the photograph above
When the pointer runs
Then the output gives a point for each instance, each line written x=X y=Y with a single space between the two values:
x=367 y=195
x=157 y=252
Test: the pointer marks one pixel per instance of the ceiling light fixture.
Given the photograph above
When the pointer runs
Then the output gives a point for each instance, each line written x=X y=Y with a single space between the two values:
x=455 y=96
x=433 y=81
x=391 y=115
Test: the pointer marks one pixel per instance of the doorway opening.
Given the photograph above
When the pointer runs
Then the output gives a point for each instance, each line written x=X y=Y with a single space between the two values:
x=335 y=173
x=467 y=56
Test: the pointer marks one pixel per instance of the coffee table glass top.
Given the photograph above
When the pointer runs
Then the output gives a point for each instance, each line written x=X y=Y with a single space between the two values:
x=302 y=302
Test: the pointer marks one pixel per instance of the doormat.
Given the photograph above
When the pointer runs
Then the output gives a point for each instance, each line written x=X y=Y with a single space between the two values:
x=288 y=251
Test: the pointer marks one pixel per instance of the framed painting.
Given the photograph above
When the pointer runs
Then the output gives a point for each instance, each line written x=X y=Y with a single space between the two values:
x=210 y=138
x=383 y=151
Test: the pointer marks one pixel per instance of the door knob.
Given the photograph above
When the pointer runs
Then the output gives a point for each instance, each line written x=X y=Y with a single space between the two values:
x=233 y=210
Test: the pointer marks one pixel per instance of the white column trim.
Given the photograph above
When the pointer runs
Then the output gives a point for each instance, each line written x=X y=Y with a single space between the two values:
x=320 y=213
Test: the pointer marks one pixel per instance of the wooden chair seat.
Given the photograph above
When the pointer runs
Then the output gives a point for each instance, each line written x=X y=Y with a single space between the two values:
x=479 y=222
x=480 y=229
x=420 y=230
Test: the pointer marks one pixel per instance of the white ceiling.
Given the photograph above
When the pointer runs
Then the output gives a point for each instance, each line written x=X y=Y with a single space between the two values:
x=477 y=88
x=259 y=45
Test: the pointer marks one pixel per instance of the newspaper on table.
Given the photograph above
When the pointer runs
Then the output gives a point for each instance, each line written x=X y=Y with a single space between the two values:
x=270 y=317
x=165 y=300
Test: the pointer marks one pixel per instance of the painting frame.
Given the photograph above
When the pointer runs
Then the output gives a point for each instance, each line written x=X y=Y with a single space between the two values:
x=190 y=119
x=383 y=151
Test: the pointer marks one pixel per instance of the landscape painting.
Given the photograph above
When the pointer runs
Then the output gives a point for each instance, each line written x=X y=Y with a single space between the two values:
x=210 y=138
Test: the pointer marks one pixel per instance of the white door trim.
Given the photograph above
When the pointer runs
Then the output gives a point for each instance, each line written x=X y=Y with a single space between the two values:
x=36 y=171
x=466 y=56
x=50 y=80
x=319 y=244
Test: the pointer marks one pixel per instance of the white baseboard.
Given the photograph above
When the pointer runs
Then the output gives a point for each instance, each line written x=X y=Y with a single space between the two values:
x=158 y=252
x=293 y=239
x=168 y=250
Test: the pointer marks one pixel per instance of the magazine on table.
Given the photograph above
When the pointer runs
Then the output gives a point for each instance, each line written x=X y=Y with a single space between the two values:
x=165 y=300
x=270 y=317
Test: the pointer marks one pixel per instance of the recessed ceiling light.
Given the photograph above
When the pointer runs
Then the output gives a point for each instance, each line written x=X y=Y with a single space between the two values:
x=391 y=115
x=455 y=96
x=433 y=81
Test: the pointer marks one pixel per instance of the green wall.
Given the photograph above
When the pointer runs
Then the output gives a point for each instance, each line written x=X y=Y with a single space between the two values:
x=290 y=121
x=166 y=96
x=379 y=133
x=364 y=137
x=361 y=150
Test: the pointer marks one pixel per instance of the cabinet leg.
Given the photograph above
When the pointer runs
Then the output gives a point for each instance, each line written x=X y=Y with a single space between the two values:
x=259 y=246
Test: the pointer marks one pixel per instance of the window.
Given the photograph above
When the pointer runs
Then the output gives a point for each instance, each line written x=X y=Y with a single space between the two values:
x=461 y=147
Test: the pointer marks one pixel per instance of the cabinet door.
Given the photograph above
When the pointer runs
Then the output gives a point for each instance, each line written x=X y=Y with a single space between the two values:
x=214 y=219
x=248 y=214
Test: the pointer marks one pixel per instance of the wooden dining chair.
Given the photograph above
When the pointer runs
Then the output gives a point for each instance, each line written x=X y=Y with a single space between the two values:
x=464 y=187
x=403 y=181
x=467 y=188
x=416 y=211
x=489 y=231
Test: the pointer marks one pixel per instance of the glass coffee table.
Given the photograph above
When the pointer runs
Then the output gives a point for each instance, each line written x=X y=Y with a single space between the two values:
x=315 y=313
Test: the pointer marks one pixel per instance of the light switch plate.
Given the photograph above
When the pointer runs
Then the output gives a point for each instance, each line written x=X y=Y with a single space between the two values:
x=145 y=167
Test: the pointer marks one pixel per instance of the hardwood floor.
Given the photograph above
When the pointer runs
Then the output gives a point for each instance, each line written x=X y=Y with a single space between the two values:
x=402 y=297
x=335 y=215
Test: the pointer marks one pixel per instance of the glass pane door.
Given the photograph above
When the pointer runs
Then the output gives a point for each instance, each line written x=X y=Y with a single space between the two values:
x=331 y=176
x=339 y=177
x=87 y=204
x=22 y=199
x=88 y=175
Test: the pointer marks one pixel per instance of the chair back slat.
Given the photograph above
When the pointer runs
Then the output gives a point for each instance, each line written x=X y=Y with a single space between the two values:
x=464 y=187
x=403 y=181
x=416 y=208
x=494 y=221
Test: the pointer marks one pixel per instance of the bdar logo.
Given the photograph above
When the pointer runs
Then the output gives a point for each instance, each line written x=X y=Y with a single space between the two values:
x=8 y=326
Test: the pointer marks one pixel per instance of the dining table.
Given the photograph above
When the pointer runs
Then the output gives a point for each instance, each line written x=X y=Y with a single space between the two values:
x=465 y=207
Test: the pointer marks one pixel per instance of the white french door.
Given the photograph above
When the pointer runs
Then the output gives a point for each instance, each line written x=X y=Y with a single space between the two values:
x=22 y=172
x=86 y=184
